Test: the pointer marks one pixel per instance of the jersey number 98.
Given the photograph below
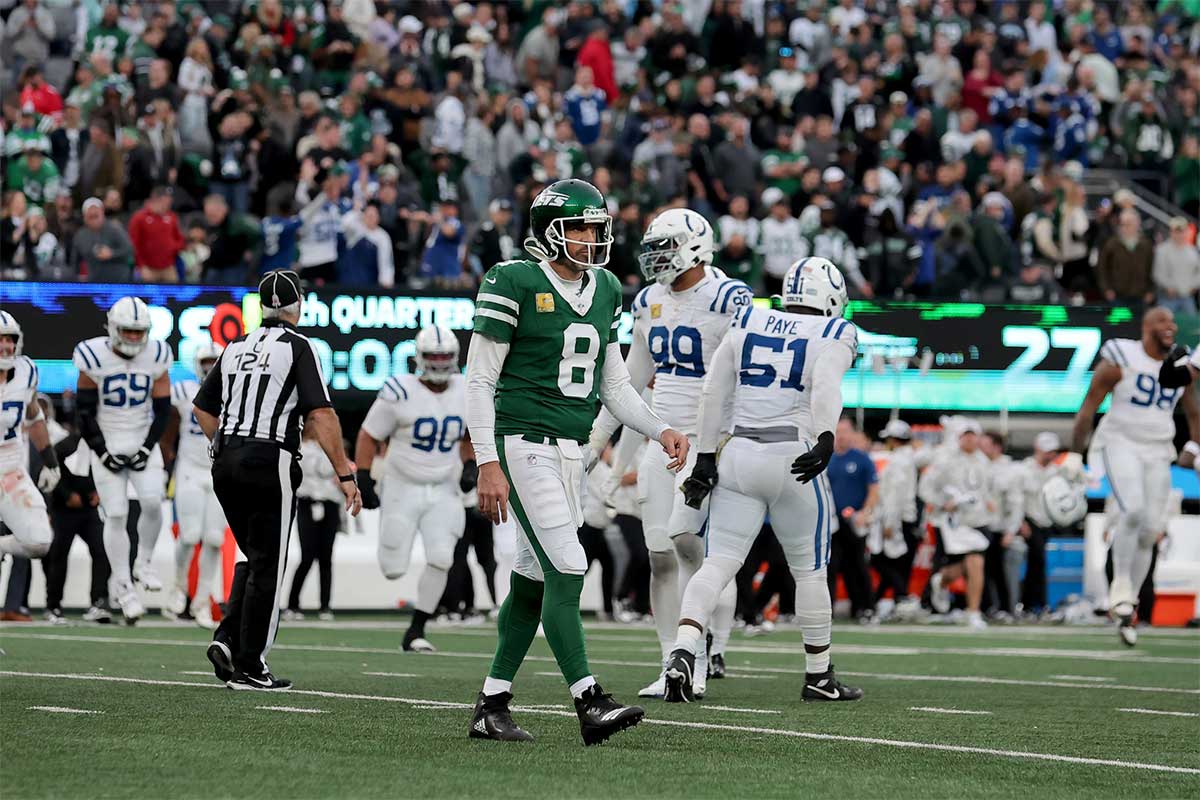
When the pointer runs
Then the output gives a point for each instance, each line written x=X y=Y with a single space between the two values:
x=1153 y=394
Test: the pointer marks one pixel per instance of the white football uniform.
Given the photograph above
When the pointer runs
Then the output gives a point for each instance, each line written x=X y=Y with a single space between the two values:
x=772 y=356
x=124 y=415
x=681 y=331
x=1134 y=443
x=200 y=516
x=22 y=507
x=419 y=491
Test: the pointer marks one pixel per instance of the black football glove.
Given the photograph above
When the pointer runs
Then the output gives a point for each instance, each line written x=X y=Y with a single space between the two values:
x=114 y=463
x=366 y=488
x=701 y=481
x=1172 y=376
x=137 y=462
x=470 y=476
x=814 y=462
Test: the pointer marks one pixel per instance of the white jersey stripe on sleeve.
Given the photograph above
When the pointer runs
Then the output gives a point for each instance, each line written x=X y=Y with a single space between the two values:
x=500 y=300
x=500 y=315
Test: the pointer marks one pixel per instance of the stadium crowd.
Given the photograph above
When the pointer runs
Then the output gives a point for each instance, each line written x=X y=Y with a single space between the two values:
x=927 y=147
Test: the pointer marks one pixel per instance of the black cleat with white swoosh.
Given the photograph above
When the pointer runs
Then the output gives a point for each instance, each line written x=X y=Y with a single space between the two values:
x=600 y=716
x=263 y=682
x=825 y=687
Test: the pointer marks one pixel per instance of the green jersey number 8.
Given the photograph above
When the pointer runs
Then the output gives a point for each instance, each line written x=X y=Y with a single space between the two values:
x=576 y=371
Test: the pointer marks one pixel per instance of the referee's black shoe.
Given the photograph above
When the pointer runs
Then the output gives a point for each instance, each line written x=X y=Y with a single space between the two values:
x=600 y=716
x=264 y=682
x=221 y=658
x=494 y=721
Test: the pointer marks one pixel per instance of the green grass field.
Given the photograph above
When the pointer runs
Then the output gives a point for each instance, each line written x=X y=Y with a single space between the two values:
x=1055 y=712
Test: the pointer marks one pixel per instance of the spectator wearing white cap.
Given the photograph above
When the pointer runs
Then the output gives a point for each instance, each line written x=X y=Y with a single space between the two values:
x=102 y=249
x=1038 y=527
x=956 y=487
x=1177 y=269
x=893 y=536
x=781 y=239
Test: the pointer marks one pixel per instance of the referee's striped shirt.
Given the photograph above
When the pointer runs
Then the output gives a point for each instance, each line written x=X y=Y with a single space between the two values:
x=264 y=385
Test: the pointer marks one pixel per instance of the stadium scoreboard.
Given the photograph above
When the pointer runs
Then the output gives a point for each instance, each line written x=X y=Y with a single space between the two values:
x=912 y=355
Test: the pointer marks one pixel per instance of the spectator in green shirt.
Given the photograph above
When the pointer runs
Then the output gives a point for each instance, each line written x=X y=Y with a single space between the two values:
x=34 y=175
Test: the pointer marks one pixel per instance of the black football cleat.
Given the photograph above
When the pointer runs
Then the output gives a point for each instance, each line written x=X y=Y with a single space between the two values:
x=680 y=672
x=716 y=666
x=494 y=721
x=263 y=682
x=825 y=687
x=222 y=660
x=600 y=716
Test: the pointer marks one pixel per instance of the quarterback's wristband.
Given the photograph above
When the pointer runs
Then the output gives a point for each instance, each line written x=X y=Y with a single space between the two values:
x=1193 y=448
x=347 y=478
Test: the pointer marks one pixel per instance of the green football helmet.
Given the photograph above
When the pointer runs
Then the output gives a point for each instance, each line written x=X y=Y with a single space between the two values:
x=569 y=203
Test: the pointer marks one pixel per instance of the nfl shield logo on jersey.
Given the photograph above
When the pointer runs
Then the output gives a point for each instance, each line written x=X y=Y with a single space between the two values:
x=545 y=302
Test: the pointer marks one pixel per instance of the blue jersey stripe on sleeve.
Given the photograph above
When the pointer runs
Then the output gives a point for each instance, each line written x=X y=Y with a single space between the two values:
x=829 y=327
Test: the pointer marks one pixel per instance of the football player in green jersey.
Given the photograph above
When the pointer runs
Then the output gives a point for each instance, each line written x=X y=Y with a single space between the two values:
x=543 y=357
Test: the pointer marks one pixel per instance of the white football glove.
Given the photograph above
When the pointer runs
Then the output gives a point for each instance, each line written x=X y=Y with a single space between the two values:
x=49 y=478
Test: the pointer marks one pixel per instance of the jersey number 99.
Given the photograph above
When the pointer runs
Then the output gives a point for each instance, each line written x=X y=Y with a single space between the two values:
x=678 y=351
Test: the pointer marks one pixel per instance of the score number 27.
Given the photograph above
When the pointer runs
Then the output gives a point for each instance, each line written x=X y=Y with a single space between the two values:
x=1037 y=343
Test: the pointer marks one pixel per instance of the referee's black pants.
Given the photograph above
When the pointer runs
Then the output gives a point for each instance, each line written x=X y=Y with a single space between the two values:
x=256 y=485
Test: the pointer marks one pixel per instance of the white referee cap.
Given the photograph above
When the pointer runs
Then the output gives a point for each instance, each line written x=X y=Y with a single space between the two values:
x=279 y=289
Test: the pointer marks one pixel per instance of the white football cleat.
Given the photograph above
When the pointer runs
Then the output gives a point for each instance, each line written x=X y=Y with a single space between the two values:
x=656 y=689
x=130 y=604
x=939 y=596
x=202 y=614
x=144 y=574
x=976 y=622
x=700 y=676
x=175 y=604
x=420 y=645
x=1123 y=612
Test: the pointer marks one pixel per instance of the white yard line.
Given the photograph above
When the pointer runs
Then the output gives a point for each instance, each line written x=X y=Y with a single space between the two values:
x=291 y=709
x=1161 y=713
x=1093 y=678
x=983 y=652
x=774 y=671
x=62 y=710
x=204 y=672
x=736 y=710
x=387 y=674
x=936 y=710
x=712 y=726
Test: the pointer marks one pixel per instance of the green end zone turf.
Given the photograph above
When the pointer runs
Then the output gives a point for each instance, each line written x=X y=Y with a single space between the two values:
x=1050 y=717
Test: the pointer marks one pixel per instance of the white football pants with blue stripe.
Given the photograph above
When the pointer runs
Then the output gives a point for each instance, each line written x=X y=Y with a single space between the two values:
x=754 y=479
x=1140 y=479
